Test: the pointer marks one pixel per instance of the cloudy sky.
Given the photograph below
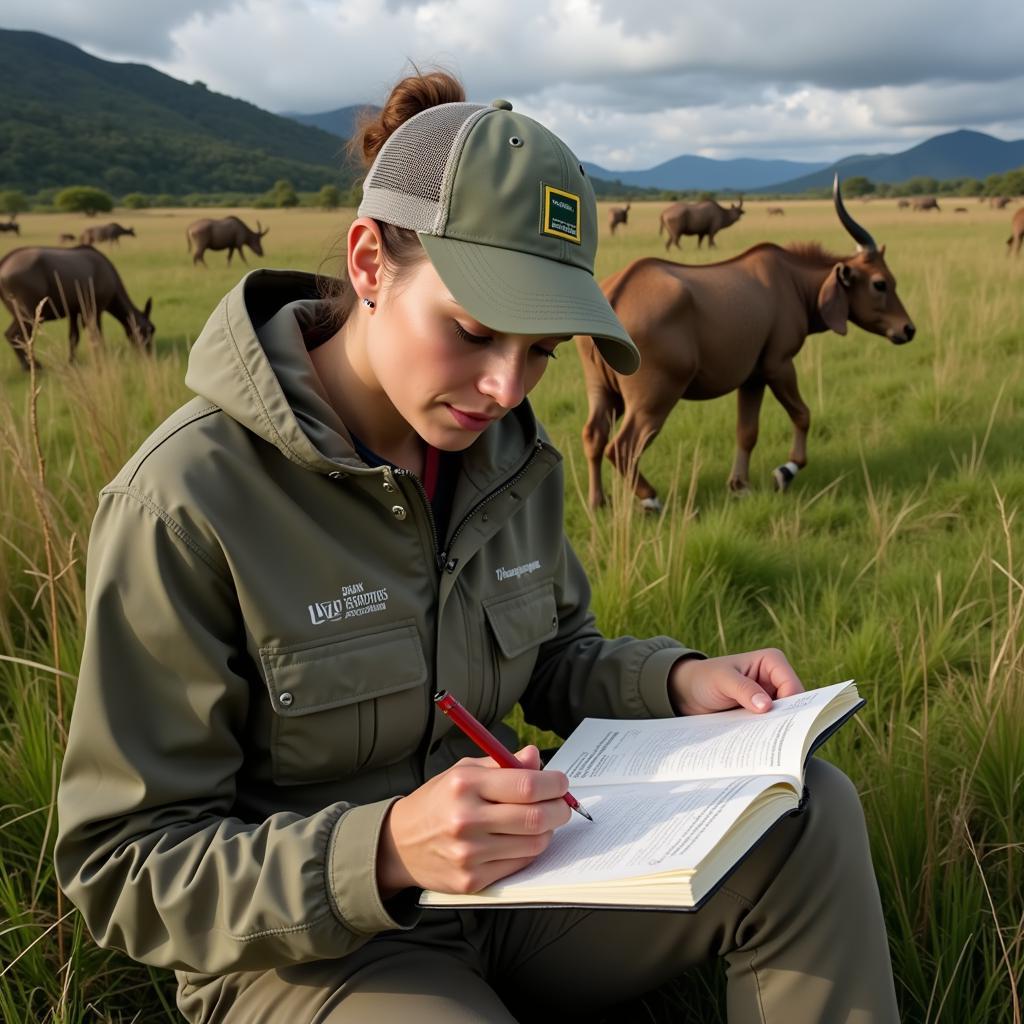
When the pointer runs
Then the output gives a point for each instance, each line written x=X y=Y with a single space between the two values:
x=626 y=84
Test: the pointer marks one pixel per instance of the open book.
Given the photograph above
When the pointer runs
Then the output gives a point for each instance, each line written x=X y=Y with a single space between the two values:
x=677 y=804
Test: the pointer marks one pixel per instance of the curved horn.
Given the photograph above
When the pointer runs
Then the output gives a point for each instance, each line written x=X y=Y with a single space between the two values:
x=860 y=236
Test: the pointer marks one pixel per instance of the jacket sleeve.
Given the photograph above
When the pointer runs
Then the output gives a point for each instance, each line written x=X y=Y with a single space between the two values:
x=148 y=847
x=580 y=673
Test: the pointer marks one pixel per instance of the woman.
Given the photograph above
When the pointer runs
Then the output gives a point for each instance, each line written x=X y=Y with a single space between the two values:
x=356 y=509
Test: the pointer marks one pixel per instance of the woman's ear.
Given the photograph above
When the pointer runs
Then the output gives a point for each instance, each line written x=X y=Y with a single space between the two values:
x=365 y=257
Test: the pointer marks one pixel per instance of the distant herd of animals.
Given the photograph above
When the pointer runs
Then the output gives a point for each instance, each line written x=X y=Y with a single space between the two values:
x=703 y=330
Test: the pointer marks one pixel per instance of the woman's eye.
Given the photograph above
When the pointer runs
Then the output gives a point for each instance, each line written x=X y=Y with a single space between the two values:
x=547 y=353
x=461 y=331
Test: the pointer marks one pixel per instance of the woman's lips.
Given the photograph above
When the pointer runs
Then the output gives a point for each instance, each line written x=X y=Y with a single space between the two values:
x=469 y=420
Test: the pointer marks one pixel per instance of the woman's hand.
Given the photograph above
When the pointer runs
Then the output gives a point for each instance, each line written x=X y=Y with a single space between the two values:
x=752 y=681
x=471 y=825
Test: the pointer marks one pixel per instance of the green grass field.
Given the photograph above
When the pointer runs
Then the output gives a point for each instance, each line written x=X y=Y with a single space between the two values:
x=895 y=558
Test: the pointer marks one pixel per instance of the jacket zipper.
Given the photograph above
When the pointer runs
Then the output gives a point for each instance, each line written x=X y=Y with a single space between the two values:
x=418 y=484
x=443 y=563
x=449 y=564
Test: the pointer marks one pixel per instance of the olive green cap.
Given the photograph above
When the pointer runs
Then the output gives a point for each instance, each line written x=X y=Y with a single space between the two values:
x=507 y=217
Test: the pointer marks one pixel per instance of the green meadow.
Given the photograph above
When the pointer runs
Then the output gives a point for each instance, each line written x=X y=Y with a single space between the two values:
x=896 y=557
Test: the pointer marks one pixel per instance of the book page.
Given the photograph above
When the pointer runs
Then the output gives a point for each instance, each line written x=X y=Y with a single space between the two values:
x=641 y=830
x=729 y=743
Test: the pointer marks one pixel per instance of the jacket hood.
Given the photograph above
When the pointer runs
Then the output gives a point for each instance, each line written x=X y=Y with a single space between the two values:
x=252 y=361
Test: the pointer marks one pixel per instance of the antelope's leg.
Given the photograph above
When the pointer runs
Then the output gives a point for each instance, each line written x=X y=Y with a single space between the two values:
x=784 y=388
x=73 y=336
x=17 y=339
x=749 y=396
x=595 y=439
x=638 y=430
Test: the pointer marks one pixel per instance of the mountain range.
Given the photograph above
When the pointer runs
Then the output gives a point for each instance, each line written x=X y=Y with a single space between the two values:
x=69 y=118
x=959 y=154
x=699 y=172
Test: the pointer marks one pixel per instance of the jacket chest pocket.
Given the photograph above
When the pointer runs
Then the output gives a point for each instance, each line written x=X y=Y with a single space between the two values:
x=341 y=706
x=519 y=624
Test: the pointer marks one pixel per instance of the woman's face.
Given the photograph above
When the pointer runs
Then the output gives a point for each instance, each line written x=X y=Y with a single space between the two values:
x=447 y=375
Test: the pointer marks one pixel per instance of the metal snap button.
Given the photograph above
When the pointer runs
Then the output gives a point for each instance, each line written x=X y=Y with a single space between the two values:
x=501 y=104
x=388 y=487
x=515 y=141
x=286 y=699
x=398 y=511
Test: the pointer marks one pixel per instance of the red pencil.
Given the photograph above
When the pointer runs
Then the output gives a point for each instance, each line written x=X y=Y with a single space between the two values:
x=488 y=742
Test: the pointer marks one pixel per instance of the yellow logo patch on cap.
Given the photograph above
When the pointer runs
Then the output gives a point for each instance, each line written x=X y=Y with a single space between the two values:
x=561 y=211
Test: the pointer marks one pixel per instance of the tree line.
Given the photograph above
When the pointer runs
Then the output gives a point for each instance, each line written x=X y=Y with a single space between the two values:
x=90 y=200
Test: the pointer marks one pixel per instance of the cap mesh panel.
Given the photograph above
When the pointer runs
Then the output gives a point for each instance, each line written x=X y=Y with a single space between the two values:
x=406 y=184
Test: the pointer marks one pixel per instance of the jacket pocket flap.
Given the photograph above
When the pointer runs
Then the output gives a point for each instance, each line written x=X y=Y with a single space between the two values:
x=523 y=620
x=331 y=674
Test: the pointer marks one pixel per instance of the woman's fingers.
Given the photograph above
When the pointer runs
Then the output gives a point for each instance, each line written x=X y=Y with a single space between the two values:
x=774 y=672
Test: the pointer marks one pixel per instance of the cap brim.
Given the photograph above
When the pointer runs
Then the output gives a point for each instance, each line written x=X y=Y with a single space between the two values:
x=519 y=293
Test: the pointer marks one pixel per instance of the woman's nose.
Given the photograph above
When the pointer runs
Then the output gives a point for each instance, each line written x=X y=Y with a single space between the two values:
x=504 y=382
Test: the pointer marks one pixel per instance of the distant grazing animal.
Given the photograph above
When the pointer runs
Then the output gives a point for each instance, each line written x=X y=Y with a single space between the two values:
x=960 y=209
x=72 y=282
x=700 y=219
x=65 y=237
x=704 y=331
x=618 y=215
x=1017 y=229
x=775 y=211
x=902 y=204
x=926 y=203
x=10 y=225
x=999 y=202
x=227 y=233
x=104 y=233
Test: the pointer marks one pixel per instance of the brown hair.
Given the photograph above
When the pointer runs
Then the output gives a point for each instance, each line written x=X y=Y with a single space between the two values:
x=401 y=249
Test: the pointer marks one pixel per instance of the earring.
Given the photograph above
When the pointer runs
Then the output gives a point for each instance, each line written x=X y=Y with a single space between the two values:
x=369 y=303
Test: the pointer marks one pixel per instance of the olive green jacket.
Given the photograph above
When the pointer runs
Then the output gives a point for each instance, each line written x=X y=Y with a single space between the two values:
x=267 y=621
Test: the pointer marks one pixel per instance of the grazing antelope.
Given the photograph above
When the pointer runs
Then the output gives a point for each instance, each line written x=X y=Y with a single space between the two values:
x=704 y=331
x=229 y=233
x=71 y=283
x=105 y=233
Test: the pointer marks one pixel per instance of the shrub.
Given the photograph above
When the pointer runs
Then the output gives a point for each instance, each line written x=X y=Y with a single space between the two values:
x=84 y=199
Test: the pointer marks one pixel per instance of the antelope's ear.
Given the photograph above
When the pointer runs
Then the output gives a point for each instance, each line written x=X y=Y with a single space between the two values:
x=833 y=303
x=148 y=308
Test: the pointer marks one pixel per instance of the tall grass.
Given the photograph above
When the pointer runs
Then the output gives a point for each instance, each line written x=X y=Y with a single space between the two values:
x=895 y=558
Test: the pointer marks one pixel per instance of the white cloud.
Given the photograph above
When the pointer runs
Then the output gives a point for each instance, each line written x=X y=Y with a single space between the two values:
x=626 y=85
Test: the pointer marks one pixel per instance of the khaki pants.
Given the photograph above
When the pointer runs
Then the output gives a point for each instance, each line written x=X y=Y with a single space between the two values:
x=799 y=923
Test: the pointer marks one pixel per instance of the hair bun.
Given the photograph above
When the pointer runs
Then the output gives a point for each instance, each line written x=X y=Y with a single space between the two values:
x=407 y=98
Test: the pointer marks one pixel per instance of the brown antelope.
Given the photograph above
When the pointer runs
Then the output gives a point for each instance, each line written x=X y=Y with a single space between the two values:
x=73 y=283
x=1016 y=233
x=700 y=219
x=618 y=215
x=105 y=233
x=227 y=233
x=776 y=211
x=704 y=331
x=926 y=203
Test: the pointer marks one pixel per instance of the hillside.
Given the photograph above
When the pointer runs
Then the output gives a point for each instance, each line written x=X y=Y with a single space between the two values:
x=70 y=118
x=340 y=122
x=698 y=172
x=959 y=154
